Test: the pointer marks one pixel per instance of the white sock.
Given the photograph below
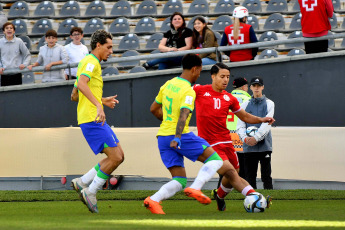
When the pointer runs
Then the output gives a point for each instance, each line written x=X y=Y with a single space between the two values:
x=227 y=190
x=246 y=189
x=167 y=191
x=88 y=177
x=96 y=184
x=206 y=172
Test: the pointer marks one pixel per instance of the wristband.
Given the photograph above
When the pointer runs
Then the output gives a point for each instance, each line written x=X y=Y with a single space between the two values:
x=178 y=140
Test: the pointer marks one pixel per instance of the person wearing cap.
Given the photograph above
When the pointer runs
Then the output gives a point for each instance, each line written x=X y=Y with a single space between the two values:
x=259 y=147
x=240 y=86
x=240 y=33
x=315 y=23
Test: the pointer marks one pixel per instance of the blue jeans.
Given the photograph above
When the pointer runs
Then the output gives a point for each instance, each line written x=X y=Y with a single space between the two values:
x=208 y=61
x=166 y=63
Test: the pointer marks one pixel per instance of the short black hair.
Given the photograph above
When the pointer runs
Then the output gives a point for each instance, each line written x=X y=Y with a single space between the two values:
x=218 y=66
x=191 y=60
x=99 y=36
x=76 y=29
x=51 y=33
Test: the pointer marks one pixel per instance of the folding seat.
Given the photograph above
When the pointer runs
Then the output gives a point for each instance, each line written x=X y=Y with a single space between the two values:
x=41 y=42
x=92 y=25
x=119 y=25
x=145 y=25
x=154 y=41
x=121 y=8
x=172 y=6
x=19 y=9
x=253 y=6
x=45 y=9
x=21 y=27
x=268 y=53
x=274 y=22
x=110 y=70
x=295 y=52
x=295 y=6
x=26 y=40
x=277 y=6
x=295 y=34
x=70 y=8
x=95 y=8
x=334 y=22
x=165 y=25
x=331 y=43
x=129 y=42
x=66 y=26
x=224 y=7
x=41 y=26
x=129 y=53
x=296 y=22
x=336 y=4
x=268 y=36
x=221 y=22
x=218 y=36
x=137 y=69
x=198 y=7
x=28 y=78
x=147 y=8
x=253 y=21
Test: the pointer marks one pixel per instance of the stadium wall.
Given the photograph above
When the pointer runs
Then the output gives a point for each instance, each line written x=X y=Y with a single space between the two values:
x=307 y=91
x=299 y=153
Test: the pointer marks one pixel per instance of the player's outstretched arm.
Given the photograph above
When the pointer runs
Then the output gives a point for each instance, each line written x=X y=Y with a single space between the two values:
x=74 y=94
x=156 y=109
x=110 y=101
x=249 y=118
x=176 y=143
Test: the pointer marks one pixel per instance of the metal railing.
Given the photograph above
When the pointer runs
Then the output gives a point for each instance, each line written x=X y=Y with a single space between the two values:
x=181 y=53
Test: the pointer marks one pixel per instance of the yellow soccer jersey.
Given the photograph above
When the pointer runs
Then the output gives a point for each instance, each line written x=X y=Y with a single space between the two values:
x=90 y=67
x=174 y=95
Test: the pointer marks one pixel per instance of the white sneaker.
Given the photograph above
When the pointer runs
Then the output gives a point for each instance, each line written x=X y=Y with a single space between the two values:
x=78 y=185
x=89 y=200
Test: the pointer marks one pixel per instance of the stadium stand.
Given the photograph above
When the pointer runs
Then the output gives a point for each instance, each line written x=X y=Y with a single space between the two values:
x=172 y=6
x=253 y=21
x=277 y=6
x=296 y=22
x=26 y=40
x=129 y=53
x=45 y=9
x=145 y=25
x=121 y=8
x=70 y=9
x=21 y=27
x=224 y=7
x=165 y=25
x=253 y=6
x=221 y=22
x=92 y=25
x=137 y=69
x=119 y=26
x=147 y=8
x=66 y=26
x=41 y=26
x=110 y=70
x=28 y=78
x=296 y=34
x=154 y=41
x=274 y=22
x=129 y=42
x=198 y=7
x=95 y=9
x=295 y=52
x=268 y=53
x=19 y=9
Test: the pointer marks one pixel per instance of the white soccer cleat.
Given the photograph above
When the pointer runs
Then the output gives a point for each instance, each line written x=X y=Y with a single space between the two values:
x=89 y=200
x=78 y=185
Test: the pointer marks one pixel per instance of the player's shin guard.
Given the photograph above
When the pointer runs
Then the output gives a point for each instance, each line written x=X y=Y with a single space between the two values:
x=247 y=190
x=168 y=190
x=211 y=166
x=98 y=181
x=87 y=178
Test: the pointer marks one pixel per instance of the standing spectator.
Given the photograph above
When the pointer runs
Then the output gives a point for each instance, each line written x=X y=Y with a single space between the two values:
x=76 y=51
x=203 y=37
x=240 y=86
x=13 y=54
x=51 y=54
x=240 y=33
x=259 y=147
x=178 y=38
x=315 y=23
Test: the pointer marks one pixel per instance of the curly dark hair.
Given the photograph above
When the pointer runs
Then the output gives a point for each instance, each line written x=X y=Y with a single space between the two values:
x=99 y=36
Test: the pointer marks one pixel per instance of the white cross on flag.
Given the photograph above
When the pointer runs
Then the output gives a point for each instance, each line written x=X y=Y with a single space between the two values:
x=309 y=4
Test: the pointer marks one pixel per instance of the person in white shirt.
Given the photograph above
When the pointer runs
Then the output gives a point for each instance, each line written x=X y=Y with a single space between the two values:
x=75 y=50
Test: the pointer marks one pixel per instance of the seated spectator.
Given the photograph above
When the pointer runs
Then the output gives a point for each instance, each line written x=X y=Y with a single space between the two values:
x=75 y=50
x=203 y=37
x=49 y=55
x=240 y=33
x=178 y=38
x=13 y=54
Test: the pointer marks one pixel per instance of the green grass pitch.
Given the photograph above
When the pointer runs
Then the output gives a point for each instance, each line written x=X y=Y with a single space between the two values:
x=291 y=209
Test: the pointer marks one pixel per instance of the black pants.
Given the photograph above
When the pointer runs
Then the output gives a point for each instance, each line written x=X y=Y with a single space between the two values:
x=240 y=157
x=251 y=162
x=14 y=79
x=316 y=46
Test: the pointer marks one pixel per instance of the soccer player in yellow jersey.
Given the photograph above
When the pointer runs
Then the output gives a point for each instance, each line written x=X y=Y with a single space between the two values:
x=173 y=106
x=91 y=119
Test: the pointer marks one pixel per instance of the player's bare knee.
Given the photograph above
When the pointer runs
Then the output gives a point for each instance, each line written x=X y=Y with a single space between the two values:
x=231 y=173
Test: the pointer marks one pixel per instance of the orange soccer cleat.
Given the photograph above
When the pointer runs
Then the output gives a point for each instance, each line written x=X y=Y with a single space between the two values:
x=153 y=206
x=198 y=195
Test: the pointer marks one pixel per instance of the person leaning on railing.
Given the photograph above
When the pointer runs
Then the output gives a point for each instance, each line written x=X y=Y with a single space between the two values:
x=203 y=37
x=178 y=38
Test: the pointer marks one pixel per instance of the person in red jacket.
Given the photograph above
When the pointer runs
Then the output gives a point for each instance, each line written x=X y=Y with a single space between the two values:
x=240 y=33
x=315 y=23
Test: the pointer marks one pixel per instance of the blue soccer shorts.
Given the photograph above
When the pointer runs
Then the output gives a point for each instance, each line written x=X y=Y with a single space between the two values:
x=99 y=137
x=192 y=147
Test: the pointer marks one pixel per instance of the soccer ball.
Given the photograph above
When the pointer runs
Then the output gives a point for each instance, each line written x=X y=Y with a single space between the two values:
x=255 y=202
x=251 y=130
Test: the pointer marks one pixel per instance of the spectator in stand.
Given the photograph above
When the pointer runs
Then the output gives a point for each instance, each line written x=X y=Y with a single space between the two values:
x=203 y=37
x=315 y=23
x=240 y=33
x=49 y=55
x=178 y=38
x=76 y=51
x=13 y=54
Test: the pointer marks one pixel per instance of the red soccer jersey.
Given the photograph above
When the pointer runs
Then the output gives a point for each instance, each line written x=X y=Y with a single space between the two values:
x=211 y=112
